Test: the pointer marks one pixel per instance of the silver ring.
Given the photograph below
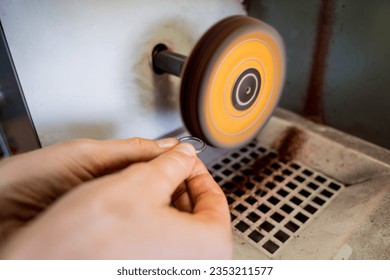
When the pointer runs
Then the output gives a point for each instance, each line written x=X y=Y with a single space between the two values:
x=189 y=138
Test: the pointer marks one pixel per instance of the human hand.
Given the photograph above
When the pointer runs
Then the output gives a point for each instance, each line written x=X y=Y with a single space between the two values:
x=31 y=182
x=129 y=214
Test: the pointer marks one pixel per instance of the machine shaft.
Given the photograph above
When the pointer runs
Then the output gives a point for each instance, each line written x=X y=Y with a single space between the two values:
x=165 y=61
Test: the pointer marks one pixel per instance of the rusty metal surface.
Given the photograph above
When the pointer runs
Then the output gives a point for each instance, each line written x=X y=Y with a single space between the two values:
x=353 y=225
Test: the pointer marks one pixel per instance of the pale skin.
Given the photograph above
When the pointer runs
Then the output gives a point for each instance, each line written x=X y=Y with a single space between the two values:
x=114 y=199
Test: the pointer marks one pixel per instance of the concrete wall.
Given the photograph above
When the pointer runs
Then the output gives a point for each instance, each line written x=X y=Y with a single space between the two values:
x=355 y=91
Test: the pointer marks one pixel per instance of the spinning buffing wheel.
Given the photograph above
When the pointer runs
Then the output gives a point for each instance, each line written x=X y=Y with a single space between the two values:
x=231 y=82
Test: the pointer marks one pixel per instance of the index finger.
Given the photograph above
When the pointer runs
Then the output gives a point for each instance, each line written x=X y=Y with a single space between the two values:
x=156 y=180
x=207 y=196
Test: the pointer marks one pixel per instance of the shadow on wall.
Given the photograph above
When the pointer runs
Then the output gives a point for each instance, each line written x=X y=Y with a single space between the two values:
x=161 y=92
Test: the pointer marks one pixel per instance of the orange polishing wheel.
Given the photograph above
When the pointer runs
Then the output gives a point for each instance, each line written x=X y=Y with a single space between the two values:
x=231 y=81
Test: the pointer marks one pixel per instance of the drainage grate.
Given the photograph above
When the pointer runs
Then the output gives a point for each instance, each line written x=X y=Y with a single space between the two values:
x=271 y=199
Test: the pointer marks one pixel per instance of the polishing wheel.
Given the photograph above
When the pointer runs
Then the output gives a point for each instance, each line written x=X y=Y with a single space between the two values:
x=231 y=81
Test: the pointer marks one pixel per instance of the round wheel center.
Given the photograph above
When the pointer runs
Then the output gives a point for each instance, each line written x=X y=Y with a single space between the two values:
x=246 y=89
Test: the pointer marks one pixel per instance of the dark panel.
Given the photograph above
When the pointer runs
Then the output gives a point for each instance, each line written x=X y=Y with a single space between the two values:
x=16 y=128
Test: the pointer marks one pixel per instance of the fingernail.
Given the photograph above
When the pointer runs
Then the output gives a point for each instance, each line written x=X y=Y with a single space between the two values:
x=186 y=148
x=167 y=143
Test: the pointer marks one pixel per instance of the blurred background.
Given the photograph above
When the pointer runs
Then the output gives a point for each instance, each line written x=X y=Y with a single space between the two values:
x=71 y=69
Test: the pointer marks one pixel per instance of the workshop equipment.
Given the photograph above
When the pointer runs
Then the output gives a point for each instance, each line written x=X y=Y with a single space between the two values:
x=231 y=82
x=298 y=184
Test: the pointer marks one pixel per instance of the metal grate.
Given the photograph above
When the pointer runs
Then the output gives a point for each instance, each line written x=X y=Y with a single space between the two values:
x=271 y=199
